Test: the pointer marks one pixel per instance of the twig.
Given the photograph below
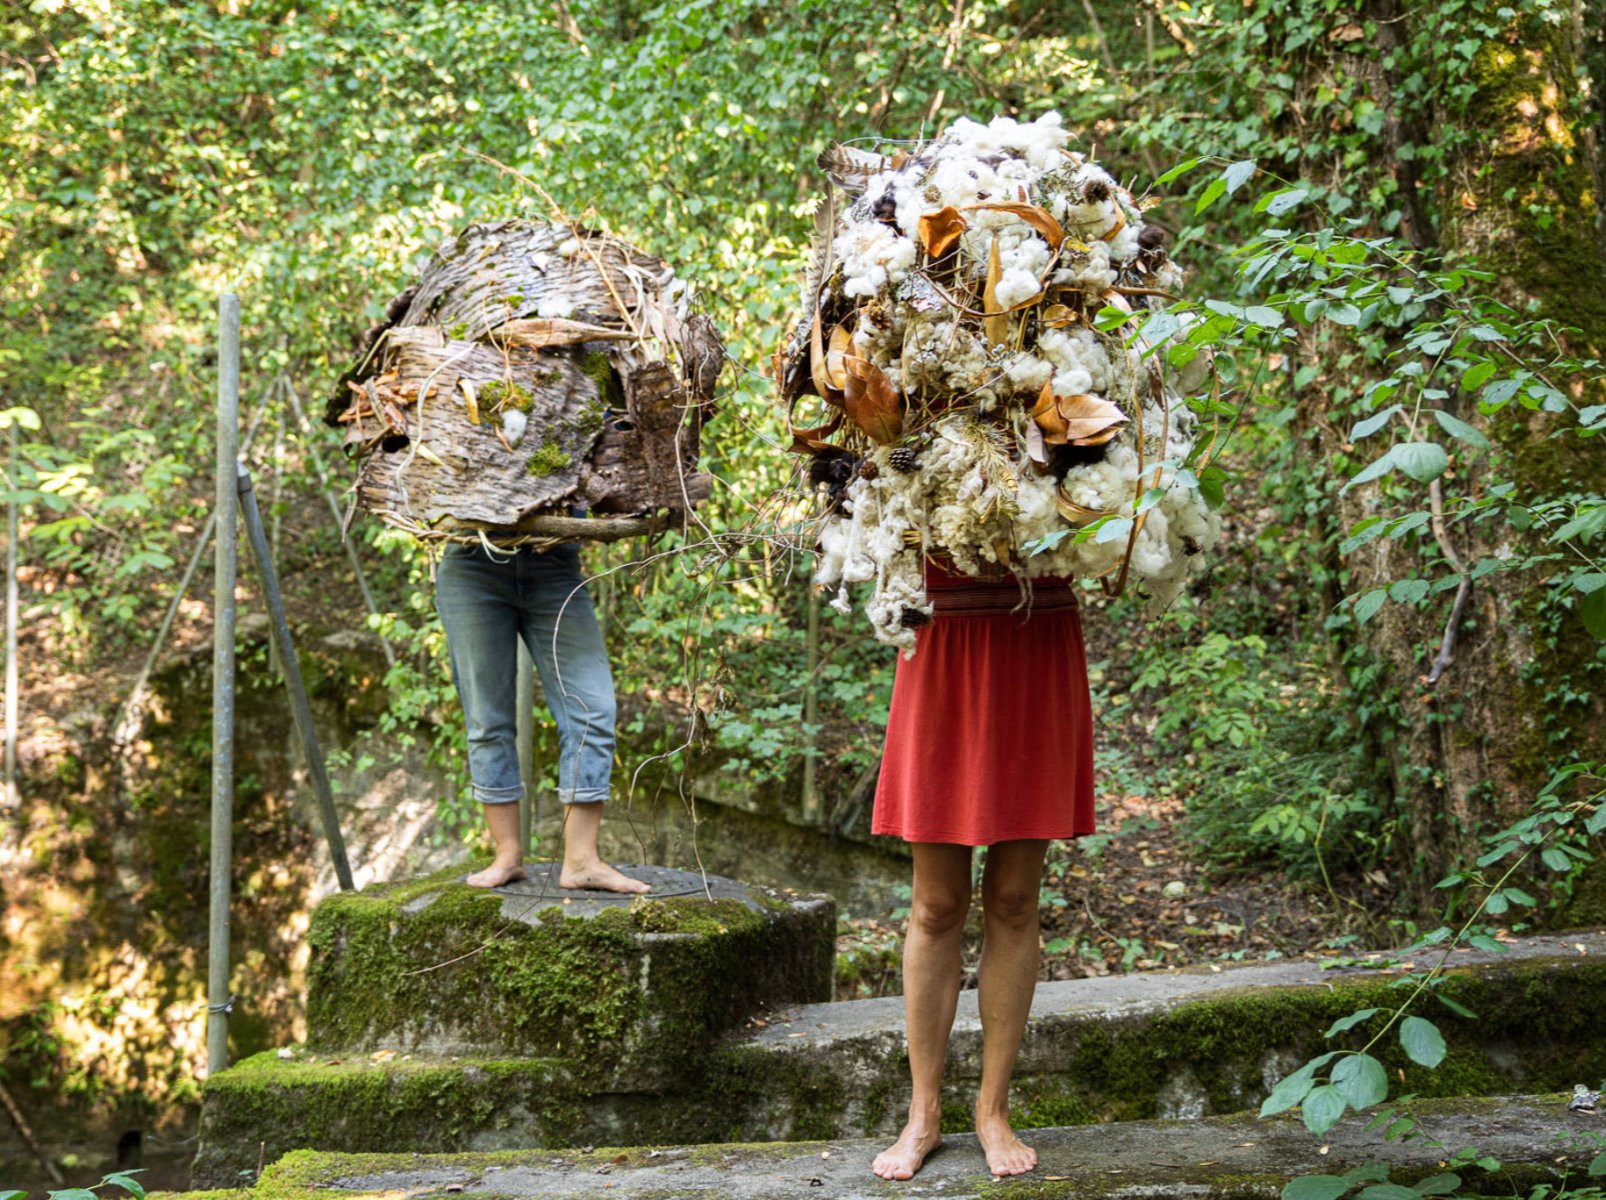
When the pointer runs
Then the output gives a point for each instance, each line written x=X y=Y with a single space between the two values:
x=1441 y=534
x=23 y=1128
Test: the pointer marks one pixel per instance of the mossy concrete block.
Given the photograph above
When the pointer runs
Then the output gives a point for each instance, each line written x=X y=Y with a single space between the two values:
x=1231 y=1158
x=1181 y=1044
x=629 y=991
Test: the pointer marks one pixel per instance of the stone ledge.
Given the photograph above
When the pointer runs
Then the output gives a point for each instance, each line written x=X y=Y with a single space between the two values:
x=1225 y=1158
x=1181 y=1044
x=630 y=988
x=1191 y=1043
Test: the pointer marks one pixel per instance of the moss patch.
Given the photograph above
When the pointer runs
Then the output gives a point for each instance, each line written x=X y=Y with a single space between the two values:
x=632 y=993
x=549 y=458
x=503 y=393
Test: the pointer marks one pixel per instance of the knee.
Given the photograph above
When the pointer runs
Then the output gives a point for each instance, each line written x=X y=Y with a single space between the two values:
x=937 y=913
x=1010 y=906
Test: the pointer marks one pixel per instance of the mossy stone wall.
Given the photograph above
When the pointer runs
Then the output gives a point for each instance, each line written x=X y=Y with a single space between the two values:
x=627 y=995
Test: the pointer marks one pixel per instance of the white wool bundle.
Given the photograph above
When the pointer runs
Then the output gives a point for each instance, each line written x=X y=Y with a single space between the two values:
x=964 y=274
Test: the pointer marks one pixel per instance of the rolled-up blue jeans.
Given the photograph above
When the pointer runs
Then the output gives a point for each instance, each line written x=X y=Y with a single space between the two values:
x=487 y=601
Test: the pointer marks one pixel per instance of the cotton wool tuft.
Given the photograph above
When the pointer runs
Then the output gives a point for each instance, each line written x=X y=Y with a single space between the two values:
x=983 y=469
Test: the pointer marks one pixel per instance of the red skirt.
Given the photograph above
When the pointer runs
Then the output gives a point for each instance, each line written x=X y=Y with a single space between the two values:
x=990 y=737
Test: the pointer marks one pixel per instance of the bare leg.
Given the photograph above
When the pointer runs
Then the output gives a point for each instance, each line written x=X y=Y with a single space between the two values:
x=1008 y=977
x=931 y=976
x=508 y=864
x=582 y=865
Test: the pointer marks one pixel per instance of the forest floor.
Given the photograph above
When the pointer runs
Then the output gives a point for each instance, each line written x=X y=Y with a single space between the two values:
x=1138 y=897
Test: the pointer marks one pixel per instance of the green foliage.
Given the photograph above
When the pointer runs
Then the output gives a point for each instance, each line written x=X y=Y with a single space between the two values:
x=308 y=158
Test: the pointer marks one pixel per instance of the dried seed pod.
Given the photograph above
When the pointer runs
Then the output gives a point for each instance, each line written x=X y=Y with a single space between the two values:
x=868 y=469
x=913 y=618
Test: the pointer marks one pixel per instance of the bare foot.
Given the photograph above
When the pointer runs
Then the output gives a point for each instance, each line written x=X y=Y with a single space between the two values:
x=909 y=1153
x=600 y=877
x=1006 y=1153
x=496 y=875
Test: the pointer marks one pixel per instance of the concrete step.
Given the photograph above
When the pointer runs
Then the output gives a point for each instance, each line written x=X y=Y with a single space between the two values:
x=1172 y=1044
x=1225 y=1158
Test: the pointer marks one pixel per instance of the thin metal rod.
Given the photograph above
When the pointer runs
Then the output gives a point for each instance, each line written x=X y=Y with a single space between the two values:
x=334 y=510
x=275 y=667
x=128 y=722
x=300 y=708
x=524 y=706
x=219 y=1000
x=11 y=796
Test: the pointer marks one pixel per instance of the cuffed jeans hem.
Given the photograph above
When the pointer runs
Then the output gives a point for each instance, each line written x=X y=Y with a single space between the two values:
x=583 y=796
x=505 y=795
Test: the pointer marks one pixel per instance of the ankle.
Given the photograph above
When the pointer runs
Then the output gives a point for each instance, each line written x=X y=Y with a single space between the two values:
x=992 y=1113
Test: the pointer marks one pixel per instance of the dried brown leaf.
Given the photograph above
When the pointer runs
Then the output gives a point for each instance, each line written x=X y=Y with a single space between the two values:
x=939 y=231
x=871 y=401
x=839 y=347
x=818 y=370
x=1080 y=419
x=1089 y=420
x=1036 y=216
x=995 y=324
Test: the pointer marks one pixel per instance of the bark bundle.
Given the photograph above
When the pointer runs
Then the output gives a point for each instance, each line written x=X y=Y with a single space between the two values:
x=534 y=369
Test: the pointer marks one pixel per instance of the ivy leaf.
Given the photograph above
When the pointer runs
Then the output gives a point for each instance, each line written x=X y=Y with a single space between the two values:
x=126 y=1181
x=1457 y=428
x=1317 y=1187
x=1182 y=168
x=1111 y=530
x=1422 y=1041
x=1322 y=1108
x=1366 y=607
x=1455 y=1006
x=1592 y=611
x=1373 y=423
x=1280 y=202
x=1597 y=1165
x=1292 y=1089
x=1499 y=392
x=1422 y=461
x=1489 y=945
x=1555 y=859
x=1409 y=591
x=1238 y=174
x=1216 y=190
x=1376 y=470
x=1362 y=1080
x=1351 y=1021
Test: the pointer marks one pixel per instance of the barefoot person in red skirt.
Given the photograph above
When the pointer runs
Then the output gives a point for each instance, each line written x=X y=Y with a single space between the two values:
x=989 y=743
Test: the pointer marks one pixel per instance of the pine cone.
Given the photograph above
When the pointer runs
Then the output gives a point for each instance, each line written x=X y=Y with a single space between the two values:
x=868 y=469
x=904 y=459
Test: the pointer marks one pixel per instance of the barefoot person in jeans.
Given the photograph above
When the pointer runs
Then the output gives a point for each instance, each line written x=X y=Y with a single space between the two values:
x=488 y=599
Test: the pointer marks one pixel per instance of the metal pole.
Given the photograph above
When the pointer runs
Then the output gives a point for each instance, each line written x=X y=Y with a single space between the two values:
x=811 y=703
x=300 y=708
x=524 y=705
x=334 y=510
x=219 y=1001
x=11 y=796
x=275 y=664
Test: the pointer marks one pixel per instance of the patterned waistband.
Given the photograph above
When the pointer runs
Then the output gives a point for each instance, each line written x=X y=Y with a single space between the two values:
x=985 y=598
